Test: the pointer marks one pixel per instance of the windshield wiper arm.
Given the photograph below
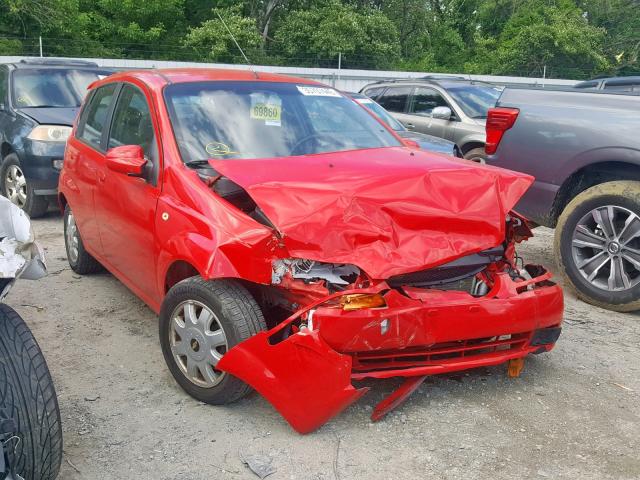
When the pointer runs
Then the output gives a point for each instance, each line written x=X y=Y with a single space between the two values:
x=196 y=163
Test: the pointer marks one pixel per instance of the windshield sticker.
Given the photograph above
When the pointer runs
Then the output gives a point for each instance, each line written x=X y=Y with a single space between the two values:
x=317 y=91
x=267 y=108
x=364 y=101
x=219 y=149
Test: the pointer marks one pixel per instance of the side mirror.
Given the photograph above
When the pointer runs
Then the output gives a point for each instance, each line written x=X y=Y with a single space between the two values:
x=127 y=159
x=441 y=113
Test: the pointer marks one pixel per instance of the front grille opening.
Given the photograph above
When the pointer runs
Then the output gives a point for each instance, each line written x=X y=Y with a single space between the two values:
x=438 y=353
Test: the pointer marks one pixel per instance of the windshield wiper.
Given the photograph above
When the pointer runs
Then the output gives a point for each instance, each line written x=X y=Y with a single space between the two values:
x=197 y=163
x=49 y=106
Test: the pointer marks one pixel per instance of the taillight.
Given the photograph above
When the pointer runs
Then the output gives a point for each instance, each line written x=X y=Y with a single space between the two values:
x=499 y=120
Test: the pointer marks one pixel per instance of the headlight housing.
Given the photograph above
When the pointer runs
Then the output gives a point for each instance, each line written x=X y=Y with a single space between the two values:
x=50 y=133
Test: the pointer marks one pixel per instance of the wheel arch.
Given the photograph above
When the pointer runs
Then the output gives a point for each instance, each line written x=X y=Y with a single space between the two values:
x=470 y=145
x=589 y=176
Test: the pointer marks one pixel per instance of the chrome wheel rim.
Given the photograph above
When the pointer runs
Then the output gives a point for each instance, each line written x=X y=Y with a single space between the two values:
x=15 y=185
x=606 y=248
x=71 y=238
x=197 y=342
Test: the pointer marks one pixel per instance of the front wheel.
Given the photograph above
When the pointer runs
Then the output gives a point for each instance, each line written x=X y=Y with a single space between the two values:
x=597 y=245
x=17 y=189
x=200 y=321
x=27 y=396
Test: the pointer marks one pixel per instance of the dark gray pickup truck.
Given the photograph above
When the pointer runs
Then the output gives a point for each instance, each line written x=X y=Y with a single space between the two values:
x=583 y=148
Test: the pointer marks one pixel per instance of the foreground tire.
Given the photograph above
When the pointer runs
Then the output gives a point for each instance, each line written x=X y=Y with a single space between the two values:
x=476 y=155
x=28 y=396
x=16 y=188
x=597 y=245
x=79 y=259
x=199 y=321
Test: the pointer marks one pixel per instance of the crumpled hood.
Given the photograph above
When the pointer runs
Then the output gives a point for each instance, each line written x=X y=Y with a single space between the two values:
x=388 y=211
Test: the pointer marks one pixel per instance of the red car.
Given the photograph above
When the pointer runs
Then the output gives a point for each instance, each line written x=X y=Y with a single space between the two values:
x=292 y=243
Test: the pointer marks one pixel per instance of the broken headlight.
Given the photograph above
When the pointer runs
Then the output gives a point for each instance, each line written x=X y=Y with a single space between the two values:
x=337 y=275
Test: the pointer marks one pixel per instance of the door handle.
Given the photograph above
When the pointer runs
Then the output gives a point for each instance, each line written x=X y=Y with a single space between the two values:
x=410 y=126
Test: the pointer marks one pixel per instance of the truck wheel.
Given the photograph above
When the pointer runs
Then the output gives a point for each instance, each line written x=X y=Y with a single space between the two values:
x=16 y=188
x=476 y=155
x=28 y=396
x=597 y=245
x=79 y=259
x=200 y=320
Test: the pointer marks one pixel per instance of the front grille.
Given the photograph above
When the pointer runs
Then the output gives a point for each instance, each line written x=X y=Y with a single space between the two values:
x=435 y=276
x=437 y=354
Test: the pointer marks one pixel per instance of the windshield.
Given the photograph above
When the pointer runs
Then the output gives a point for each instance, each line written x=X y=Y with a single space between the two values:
x=262 y=119
x=380 y=112
x=475 y=100
x=54 y=87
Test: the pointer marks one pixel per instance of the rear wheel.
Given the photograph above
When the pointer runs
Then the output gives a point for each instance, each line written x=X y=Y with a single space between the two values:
x=597 y=245
x=27 y=396
x=79 y=259
x=199 y=322
x=476 y=155
x=16 y=188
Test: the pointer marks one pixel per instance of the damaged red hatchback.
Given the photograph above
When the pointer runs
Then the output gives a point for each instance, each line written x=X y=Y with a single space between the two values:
x=291 y=242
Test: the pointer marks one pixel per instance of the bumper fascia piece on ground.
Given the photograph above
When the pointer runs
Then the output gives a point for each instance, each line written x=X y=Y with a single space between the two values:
x=307 y=376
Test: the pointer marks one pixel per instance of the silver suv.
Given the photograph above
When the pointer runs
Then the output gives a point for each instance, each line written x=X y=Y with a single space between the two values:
x=453 y=108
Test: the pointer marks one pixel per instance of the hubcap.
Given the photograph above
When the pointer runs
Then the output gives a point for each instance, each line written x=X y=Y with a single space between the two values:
x=606 y=248
x=197 y=342
x=15 y=185
x=71 y=238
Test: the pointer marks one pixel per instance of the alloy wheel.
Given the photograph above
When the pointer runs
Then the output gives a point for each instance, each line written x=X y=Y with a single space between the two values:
x=15 y=185
x=197 y=342
x=71 y=237
x=606 y=248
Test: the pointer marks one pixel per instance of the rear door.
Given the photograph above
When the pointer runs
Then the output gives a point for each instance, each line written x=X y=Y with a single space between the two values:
x=422 y=103
x=126 y=206
x=84 y=156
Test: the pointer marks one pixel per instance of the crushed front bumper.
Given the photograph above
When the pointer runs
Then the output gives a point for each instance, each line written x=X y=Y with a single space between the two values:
x=307 y=376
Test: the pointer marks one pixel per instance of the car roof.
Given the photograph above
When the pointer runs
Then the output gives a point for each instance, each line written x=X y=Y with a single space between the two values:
x=444 y=81
x=53 y=63
x=160 y=77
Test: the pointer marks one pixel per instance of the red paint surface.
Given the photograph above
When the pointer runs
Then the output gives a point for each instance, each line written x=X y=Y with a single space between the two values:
x=389 y=211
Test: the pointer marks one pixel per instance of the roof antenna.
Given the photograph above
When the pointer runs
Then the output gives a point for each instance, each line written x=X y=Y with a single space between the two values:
x=238 y=45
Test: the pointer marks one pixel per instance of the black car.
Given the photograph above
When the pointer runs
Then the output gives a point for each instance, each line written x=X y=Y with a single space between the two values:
x=626 y=85
x=39 y=99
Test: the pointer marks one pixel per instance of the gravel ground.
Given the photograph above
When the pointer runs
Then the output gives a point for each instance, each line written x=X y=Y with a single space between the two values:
x=574 y=413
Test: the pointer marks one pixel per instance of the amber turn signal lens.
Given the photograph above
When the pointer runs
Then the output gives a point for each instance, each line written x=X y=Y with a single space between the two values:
x=359 y=301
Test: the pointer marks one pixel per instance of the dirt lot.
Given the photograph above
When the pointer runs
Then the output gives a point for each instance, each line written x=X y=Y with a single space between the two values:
x=574 y=413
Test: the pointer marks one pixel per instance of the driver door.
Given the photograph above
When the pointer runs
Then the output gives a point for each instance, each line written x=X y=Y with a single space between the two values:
x=422 y=103
x=125 y=206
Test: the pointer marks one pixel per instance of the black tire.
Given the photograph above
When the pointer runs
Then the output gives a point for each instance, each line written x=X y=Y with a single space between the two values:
x=476 y=155
x=240 y=317
x=84 y=263
x=624 y=194
x=35 y=205
x=29 y=397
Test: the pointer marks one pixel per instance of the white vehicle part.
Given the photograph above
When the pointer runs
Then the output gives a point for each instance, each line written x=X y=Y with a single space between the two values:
x=20 y=255
x=311 y=270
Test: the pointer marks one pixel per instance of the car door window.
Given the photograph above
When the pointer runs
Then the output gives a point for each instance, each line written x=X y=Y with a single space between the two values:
x=395 y=99
x=425 y=100
x=95 y=115
x=374 y=93
x=132 y=124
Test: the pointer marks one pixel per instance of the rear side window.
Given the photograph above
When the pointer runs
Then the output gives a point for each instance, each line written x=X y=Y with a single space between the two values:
x=94 y=115
x=425 y=100
x=621 y=85
x=395 y=99
x=374 y=93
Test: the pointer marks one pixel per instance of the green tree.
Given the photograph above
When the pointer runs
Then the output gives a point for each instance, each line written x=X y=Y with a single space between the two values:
x=364 y=38
x=212 y=40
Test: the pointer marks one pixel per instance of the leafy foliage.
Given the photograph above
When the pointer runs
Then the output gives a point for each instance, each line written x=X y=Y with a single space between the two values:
x=564 y=38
